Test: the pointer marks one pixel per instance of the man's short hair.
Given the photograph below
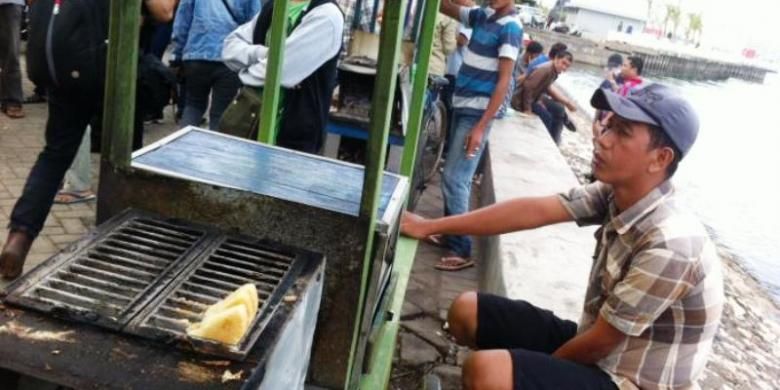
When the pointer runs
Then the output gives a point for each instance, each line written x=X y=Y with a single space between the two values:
x=637 y=63
x=659 y=139
x=556 y=48
x=615 y=60
x=564 y=53
x=534 y=47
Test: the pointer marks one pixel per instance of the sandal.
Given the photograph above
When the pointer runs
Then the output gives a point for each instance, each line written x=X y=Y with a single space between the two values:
x=453 y=263
x=73 y=197
x=14 y=112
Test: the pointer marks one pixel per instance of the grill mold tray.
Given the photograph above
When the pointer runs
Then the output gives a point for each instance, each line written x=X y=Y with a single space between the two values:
x=224 y=266
x=109 y=275
x=204 y=265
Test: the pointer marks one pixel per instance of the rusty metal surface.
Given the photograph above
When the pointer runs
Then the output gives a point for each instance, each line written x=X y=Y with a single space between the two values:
x=152 y=277
x=87 y=357
x=337 y=236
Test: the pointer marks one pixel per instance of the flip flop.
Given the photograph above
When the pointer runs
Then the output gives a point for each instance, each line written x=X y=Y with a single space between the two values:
x=72 y=197
x=453 y=263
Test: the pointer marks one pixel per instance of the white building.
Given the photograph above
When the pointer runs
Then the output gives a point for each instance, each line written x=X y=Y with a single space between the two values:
x=596 y=19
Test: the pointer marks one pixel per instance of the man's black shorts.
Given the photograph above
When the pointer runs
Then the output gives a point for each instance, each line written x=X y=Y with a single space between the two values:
x=531 y=335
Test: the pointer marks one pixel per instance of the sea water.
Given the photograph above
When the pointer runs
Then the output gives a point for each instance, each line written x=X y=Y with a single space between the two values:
x=731 y=178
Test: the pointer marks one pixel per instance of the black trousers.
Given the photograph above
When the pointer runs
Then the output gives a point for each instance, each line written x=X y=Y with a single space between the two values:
x=69 y=115
x=204 y=78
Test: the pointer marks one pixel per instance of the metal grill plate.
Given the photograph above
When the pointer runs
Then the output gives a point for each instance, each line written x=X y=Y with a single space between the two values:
x=143 y=275
x=226 y=265
x=108 y=276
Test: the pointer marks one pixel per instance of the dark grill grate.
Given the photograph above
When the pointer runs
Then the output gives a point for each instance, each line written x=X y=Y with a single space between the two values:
x=146 y=276
x=229 y=264
x=106 y=280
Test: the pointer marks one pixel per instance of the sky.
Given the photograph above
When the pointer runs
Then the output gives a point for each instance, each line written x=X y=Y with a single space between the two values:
x=727 y=24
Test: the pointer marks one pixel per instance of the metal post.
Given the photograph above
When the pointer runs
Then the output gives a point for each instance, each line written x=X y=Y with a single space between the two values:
x=419 y=87
x=273 y=73
x=376 y=150
x=121 y=68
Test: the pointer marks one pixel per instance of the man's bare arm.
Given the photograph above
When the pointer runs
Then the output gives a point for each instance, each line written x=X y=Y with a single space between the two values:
x=509 y=216
x=593 y=344
x=557 y=95
x=448 y=8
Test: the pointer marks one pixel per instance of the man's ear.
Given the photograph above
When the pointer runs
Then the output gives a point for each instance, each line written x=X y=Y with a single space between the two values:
x=663 y=158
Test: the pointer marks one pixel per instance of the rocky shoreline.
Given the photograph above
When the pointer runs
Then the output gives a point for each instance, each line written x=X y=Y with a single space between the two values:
x=746 y=353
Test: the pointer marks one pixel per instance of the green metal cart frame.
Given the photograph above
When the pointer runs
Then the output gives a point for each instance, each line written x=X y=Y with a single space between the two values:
x=120 y=100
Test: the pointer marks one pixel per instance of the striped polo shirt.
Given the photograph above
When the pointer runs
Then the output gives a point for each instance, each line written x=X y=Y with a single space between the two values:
x=492 y=38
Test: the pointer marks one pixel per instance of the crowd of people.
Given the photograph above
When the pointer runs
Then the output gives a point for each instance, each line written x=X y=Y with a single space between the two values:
x=655 y=291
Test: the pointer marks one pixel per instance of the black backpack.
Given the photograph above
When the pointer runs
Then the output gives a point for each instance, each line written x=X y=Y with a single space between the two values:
x=67 y=45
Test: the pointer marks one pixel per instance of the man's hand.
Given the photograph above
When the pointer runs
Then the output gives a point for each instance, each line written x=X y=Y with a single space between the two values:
x=473 y=141
x=414 y=226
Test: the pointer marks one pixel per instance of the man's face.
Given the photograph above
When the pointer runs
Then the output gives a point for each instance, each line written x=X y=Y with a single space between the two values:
x=500 y=4
x=622 y=152
x=561 y=64
x=628 y=71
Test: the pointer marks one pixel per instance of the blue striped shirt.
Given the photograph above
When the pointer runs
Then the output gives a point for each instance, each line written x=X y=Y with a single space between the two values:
x=492 y=38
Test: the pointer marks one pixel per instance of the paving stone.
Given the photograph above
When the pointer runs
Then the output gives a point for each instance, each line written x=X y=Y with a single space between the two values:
x=65 y=239
x=73 y=225
x=74 y=214
x=449 y=376
x=415 y=351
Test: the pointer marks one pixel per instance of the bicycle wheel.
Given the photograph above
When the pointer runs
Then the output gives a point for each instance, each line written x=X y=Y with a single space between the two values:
x=435 y=133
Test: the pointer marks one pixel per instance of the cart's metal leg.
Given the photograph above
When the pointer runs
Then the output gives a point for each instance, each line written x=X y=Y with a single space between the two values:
x=331 y=148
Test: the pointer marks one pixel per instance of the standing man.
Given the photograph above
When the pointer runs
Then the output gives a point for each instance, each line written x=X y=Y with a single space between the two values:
x=199 y=30
x=655 y=293
x=480 y=88
x=11 y=95
x=71 y=108
x=309 y=71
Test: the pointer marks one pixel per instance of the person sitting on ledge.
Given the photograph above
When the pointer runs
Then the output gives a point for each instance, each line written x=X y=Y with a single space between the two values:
x=655 y=294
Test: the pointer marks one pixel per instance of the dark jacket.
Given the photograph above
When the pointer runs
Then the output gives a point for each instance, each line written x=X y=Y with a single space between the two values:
x=306 y=106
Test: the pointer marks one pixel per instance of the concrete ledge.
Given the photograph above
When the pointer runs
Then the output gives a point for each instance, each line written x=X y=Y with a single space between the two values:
x=548 y=266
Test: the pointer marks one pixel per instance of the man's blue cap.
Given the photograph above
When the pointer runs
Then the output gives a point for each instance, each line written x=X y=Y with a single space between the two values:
x=656 y=105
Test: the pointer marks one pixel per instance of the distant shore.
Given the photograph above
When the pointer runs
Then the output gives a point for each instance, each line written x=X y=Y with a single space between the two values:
x=747 y=346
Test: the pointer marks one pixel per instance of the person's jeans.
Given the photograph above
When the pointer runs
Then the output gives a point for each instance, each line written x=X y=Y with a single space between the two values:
x=201 y=79
x=458 y=172
x=69 y=115
x=552 y=114
x=10 y=41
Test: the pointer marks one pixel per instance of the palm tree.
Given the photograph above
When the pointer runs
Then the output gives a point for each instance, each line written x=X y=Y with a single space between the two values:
x=672 y=16
x=695 y=26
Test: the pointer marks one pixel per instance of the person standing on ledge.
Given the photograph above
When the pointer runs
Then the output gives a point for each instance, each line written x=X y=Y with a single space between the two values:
x=480 y=87
x=655 y=293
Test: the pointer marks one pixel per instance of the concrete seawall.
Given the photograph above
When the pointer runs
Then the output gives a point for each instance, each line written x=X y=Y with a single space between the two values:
x=548 y=266
x=657 y=63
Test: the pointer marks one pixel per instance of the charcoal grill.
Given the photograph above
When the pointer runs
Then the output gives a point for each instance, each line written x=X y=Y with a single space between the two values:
x=151 y=277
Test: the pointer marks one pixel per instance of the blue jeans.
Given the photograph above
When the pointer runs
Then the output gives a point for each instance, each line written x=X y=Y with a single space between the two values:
x=456 y=179
x=552 y=115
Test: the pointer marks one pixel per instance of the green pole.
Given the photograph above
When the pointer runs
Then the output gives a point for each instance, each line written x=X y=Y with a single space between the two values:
x=273 y=73
x=419 y=87
x=376 y=150
x=121 y=68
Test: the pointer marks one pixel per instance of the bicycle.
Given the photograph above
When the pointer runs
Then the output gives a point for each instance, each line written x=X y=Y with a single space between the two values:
x=433 y=133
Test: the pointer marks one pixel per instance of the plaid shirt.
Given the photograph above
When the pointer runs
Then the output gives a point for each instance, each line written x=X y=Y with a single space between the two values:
x=656 y=277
